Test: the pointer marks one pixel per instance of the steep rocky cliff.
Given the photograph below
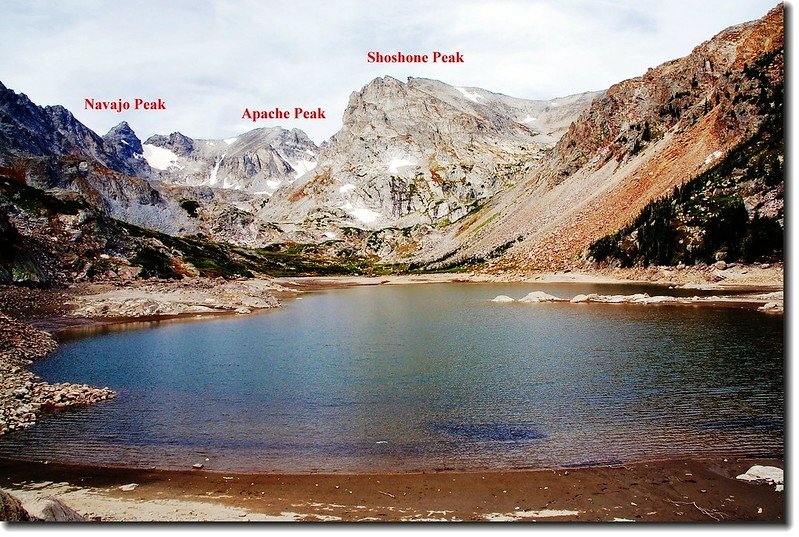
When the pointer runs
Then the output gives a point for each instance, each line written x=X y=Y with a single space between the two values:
x=28 y=130
x=631 y=146
x=734 y=211
x=46 y=147
x=422 y=152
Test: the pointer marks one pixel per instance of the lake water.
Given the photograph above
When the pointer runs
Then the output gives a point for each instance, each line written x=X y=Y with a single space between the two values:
x=423 y=377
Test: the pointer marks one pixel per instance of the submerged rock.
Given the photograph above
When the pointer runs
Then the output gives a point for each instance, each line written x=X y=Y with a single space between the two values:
x=503 y=299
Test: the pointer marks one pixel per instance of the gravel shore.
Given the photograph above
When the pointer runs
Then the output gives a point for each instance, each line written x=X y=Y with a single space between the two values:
x=23 y=395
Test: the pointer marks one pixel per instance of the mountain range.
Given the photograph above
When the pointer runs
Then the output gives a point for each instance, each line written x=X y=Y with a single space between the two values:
x=422 y=175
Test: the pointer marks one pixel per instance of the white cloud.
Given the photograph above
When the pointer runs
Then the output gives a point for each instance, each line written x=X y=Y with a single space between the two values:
x=209 y=60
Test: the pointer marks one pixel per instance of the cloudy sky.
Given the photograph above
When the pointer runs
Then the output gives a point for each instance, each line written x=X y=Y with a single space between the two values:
x=210 y=59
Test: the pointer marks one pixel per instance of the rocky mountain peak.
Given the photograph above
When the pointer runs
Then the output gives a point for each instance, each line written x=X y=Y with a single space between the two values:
x=122 y=131
x=28 y=130
x=421 y=152
x=176 y=142
x=258 y=161
x=124 y=142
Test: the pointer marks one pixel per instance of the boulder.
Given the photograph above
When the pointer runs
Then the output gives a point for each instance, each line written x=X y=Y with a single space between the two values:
x=764 y=474
x=11 y=509
x=54 y=510
x=539 y=296
x=503 y=299
x=771 y=307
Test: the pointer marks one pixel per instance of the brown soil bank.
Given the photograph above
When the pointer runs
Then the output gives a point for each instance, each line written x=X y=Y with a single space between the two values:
x=676 y=491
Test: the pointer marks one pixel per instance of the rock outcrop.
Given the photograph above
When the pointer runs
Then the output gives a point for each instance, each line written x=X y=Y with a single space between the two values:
x=189 y=296
x=11 y=509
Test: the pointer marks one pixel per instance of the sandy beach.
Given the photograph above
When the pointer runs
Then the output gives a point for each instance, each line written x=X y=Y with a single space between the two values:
x=677 y=490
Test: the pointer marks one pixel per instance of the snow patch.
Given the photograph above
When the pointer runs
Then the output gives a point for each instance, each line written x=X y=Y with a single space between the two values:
x=212 y=180
x=367 y=216
x=349 y=187
x=713 y=156
x=472 y=96
x=529 y=119
x=521 y=515
x=231 y=141
x=160 y=158
x=302 y=167
x=330 y=235
x=272 y=184
x=395 y=163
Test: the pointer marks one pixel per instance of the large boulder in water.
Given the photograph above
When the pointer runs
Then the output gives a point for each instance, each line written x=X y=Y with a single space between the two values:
x=540 y=296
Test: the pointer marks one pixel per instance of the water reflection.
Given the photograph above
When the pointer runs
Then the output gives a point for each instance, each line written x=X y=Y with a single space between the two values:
x=423 y=377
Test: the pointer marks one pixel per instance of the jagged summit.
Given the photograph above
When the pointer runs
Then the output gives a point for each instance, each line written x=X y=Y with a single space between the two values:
x=258 y=161
x=128 y=148
x=29 y=130
x=421 y=152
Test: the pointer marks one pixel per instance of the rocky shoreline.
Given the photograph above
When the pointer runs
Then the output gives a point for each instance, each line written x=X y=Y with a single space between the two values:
x=23 y=396
x=184 y=297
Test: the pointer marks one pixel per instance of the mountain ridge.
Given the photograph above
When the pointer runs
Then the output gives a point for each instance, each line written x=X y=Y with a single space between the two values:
x=645 y=136
x=423 y=173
